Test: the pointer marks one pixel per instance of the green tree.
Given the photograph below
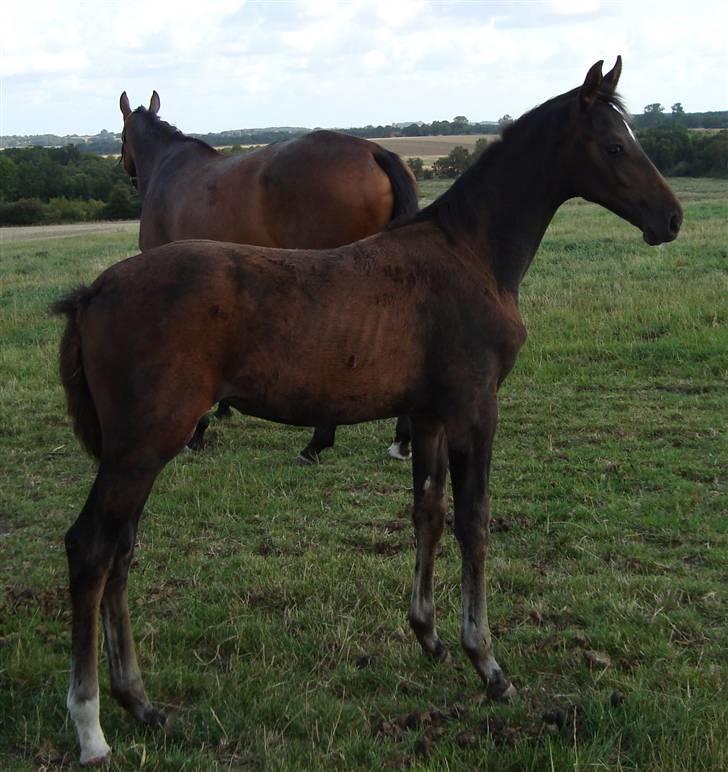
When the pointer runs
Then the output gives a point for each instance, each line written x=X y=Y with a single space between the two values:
x=122 y=205
x=8 y=178
x=653 y=115
x=454 y=164
x=459 y=125
x=417 y=167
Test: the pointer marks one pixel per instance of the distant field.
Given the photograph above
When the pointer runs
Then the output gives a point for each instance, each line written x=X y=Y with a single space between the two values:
x=429 y=148
x=269 y=601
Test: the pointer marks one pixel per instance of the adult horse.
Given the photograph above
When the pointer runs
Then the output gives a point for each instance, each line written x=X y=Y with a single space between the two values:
x=321 y=190
x=430 y=328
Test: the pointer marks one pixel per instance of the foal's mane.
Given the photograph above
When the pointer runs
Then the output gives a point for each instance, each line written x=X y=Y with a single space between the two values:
x=455 y=210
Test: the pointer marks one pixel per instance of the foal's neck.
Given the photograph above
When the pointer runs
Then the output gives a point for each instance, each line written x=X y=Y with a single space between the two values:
x=515 y=192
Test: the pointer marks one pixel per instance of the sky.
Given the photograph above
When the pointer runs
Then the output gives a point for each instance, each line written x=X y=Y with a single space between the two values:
x=229 y=64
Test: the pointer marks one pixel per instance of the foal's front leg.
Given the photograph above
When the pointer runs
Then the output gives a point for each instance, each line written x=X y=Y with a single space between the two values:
x=469 y=452
x=429 y=476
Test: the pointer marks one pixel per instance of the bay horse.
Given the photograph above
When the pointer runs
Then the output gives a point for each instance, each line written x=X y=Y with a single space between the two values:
x=324 y=189
x=429 y=328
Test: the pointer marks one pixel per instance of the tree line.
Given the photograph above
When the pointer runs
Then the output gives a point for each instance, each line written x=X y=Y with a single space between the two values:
x=675 y=151
x=57 y=185
x=109 y=143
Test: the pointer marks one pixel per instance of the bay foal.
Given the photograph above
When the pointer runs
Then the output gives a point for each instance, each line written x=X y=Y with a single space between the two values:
x=430 y=328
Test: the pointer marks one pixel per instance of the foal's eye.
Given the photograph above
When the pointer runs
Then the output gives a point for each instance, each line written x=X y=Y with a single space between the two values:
x=615 y=149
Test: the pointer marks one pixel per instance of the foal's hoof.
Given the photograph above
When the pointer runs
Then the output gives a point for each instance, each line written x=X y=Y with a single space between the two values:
x=308 y=458
x=439 y=652
x=96 y=759
x=500 y=688
x=400 y=450
x=153 y=717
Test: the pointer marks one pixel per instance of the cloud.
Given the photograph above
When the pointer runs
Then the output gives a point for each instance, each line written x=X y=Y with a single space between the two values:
x=230 y=64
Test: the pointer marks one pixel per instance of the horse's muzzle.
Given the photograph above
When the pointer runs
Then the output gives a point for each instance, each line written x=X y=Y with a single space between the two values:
x=665 y=231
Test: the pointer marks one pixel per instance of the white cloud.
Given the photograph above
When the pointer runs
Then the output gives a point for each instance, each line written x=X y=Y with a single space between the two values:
x=227 y=64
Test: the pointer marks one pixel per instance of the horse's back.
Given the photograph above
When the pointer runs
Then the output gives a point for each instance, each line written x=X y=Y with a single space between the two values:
x=323 y=190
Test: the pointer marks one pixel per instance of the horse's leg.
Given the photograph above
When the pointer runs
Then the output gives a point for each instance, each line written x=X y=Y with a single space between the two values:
x=91 y=546
x=469 y=451
x=223 y=409
x=429 y=476
x=197 y=441
x=126 y=679
x=323 y=437
x=400 y=447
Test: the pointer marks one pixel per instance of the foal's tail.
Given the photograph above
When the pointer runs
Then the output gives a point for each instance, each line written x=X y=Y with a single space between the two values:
x=81 y=407
x=404 y=187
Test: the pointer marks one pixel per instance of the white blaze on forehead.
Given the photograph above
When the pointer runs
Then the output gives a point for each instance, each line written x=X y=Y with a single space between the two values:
x=626 y=125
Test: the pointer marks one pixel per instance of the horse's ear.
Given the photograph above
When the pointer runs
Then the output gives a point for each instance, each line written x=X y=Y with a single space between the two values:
x=124 y=104
x=154 y=103
x=612 y=77
x=591 y=85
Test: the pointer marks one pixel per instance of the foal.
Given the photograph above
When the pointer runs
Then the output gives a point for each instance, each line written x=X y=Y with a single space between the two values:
x=430 y=328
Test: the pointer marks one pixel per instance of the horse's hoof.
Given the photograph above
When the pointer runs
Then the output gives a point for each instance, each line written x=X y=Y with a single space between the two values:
x=399 y=450
x=306 y=459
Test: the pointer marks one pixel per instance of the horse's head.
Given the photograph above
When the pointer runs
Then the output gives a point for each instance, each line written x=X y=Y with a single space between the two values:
x=127 y=150
x=609 y=166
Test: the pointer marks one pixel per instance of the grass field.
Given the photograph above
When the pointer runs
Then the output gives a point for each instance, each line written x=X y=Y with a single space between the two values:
x=270 y=601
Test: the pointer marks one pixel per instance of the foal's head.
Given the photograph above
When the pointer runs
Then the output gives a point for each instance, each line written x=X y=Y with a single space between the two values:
x=127 y=151
x=607 y=165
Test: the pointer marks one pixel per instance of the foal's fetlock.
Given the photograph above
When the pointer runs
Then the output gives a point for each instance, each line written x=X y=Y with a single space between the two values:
x=136 y=702
x=429 y=640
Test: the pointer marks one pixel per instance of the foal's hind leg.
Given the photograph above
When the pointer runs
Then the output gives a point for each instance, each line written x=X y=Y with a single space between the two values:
x=323 y=437
x=126 y=679
x=429 y=476
x=91 y=545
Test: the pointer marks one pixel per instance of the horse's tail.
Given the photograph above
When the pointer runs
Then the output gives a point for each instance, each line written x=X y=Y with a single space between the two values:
x=404 y=187
x=81 y=407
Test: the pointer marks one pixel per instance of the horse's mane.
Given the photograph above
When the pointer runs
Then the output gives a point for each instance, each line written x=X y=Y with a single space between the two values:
x=454 y=210
x=155 y=124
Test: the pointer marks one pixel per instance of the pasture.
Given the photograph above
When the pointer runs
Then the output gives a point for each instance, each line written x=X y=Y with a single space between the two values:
x=270 y=600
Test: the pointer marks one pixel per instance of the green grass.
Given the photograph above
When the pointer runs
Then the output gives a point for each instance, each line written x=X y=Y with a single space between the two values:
x=269 y=601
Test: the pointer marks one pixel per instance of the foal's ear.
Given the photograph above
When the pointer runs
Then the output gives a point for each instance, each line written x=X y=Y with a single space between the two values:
x=154 y=103
x=591 y=85
x=612 y=77
x=124 y=104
